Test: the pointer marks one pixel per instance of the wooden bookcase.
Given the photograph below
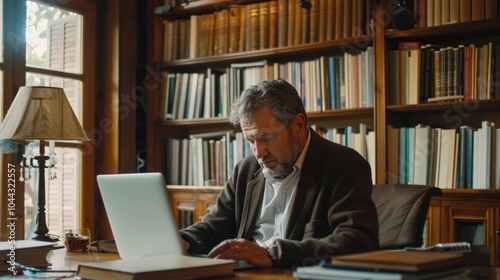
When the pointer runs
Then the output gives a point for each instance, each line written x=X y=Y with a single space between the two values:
x=452 y=216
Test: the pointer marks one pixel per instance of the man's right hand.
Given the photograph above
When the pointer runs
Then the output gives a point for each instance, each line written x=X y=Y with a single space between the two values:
x=186 y=246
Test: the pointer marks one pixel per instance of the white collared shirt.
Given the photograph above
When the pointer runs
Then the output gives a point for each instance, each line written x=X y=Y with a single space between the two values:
x=275 y=211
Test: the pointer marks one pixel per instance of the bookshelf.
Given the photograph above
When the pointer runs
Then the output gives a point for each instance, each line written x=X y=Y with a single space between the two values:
x=453 y=216
x=460 y=214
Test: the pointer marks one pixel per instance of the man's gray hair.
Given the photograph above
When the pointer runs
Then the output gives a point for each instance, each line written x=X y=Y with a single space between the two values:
x=279 y=95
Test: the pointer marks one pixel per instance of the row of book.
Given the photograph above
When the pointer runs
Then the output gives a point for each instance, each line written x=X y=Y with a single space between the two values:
x=467 y=157
x=204 y=159
x=422 y=73
x=208 y=159
x=326 y=83
x=360 y=138
x=269 y=24
x=430 y=13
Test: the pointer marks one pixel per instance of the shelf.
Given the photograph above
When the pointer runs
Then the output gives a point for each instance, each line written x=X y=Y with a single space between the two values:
x=479 y=28
x=282 y=54
x=471 y=105
x=195 y=189
x=197 y=7
x=313 y=116
x=469 y=195
x=340 y=113
x=195 y=122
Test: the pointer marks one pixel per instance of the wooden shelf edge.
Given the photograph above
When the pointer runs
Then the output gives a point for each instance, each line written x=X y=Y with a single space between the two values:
x=340 y=113
x=476 y=105
x=304 y=51
x=198 y=7
x=194 y=122
x=195 y=189
x=225 y=121
x=470 y=191
x=462 y=28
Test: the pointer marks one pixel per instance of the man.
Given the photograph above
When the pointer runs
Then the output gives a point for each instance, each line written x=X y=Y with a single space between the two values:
x=298 y=200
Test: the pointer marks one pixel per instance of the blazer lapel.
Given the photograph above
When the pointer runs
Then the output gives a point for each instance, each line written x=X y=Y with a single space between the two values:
x=253 y=202
x=306 y=192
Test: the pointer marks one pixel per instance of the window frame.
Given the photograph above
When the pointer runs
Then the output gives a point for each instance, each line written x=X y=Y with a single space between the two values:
x=14 y=67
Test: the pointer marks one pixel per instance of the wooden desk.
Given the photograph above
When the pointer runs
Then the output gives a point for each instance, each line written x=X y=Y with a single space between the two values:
x=61 y=259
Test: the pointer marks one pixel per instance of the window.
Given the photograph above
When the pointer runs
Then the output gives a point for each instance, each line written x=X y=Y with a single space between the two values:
x=58 y=35
x=53 y=43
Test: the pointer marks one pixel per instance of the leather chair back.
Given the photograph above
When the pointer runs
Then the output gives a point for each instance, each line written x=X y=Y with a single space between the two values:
x=402 y=213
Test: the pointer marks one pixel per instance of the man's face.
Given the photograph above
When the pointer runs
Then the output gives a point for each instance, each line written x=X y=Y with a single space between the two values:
x=274 y=145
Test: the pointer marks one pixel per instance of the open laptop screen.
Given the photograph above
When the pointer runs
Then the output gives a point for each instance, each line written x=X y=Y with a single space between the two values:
x=140 y=214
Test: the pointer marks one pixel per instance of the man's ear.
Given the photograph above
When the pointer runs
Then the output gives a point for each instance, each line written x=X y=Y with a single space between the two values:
x=299 y=122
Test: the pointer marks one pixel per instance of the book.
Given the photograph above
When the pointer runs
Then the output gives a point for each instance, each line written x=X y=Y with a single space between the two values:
x=26 y=252
x=273 y=23
x=477 y=10
x=490 y=9
x=156 y=267
x=263 y=15
x=221 y=32
x=423 y=155
x=107 y=245
x=290 y=28
x=193 y=34
x=323 y=19
x=339 y=14
x=234 y=36
x=324 y=272
x=437 y=13
x=282 y=22
x=329 y=20
x=429 y=11
x=346 y=19
x=445 y=11
x=454 y=11
x=410 y=261
x=297 y=25
x=314 y=22
x=254 y=27
x=464 y=8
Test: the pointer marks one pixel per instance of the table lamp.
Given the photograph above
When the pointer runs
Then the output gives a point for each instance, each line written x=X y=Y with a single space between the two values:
x=41 y=114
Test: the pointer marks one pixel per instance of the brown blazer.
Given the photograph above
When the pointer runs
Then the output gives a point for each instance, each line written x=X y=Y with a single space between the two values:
x=332 y=211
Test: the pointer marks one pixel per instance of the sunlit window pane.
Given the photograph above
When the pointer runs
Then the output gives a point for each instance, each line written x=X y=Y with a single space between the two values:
x=61 y=190
x=53 y=38
x=1 y=96
x=1 y=32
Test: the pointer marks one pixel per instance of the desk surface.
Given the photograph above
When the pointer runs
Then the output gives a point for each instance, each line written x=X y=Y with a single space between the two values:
x=64 y=260
x=61 y=259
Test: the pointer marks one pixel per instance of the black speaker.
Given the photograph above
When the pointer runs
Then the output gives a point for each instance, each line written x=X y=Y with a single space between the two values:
x=403 y=18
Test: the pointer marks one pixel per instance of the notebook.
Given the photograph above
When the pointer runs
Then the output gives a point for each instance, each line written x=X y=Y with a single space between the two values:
x=141 y=216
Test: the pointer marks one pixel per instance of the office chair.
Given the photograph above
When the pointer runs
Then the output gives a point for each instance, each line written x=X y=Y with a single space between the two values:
x=402 y=212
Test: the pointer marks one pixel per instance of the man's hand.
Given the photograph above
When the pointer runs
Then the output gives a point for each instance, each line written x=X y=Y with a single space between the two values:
x=186 y=246
x=242 y=249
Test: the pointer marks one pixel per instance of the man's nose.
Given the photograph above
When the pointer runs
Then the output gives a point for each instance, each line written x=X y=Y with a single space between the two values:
x=260 y=150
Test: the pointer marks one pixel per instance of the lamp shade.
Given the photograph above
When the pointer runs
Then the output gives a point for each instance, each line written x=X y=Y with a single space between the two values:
x=41 y=113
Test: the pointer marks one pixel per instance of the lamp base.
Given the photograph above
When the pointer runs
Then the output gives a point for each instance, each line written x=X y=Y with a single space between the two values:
x=47 y=238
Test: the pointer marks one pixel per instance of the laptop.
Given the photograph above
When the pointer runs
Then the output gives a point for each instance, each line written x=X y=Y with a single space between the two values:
x=140 y=214
x=141 y=217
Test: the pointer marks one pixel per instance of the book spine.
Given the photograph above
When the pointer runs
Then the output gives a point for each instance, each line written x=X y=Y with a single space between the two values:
x=264 y=26
x=273 y=24
x=254 y=27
